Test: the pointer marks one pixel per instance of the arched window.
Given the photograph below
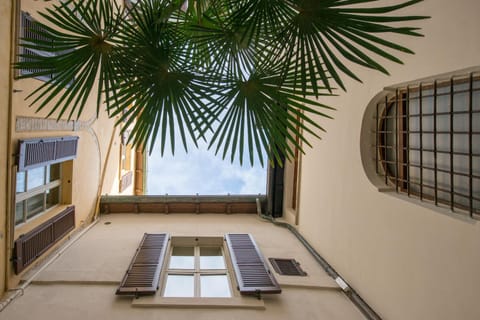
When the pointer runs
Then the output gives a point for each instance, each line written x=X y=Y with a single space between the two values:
x=427 y=141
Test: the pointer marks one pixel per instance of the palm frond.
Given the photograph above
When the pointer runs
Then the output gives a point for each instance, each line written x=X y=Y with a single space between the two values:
x=160 y=91
x=81 y=46
x=244 y=75
x=323 y=35
x=257 y=114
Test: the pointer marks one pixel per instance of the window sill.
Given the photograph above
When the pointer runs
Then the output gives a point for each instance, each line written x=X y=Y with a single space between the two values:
x=38 y=219
x=223 y=303
x=445 y=210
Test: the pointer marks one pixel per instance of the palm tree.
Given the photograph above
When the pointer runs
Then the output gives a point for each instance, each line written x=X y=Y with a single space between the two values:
x=244 y=75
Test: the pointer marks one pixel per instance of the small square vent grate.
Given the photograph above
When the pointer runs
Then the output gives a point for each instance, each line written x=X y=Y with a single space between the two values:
x=287 y=267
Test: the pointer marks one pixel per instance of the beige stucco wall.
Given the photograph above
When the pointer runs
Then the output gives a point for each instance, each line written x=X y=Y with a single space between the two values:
x=95 y=137
x=5 y=27
x=406 y=261
x=82 y=281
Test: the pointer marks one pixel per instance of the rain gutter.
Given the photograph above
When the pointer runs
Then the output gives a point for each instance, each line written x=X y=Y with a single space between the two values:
x=366 y=310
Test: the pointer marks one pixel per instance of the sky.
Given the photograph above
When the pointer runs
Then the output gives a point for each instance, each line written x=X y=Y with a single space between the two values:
x=200 y=171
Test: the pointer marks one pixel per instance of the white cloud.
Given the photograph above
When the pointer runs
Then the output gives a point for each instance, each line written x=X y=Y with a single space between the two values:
x=200 y=171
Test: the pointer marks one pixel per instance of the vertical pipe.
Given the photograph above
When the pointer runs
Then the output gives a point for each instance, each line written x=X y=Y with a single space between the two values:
x=406 y=125
x=377 y=124
x=397 y=119
x=470 y=142
x=420 y=101
x=452 y=198
x=435 y=164
x=11 y=168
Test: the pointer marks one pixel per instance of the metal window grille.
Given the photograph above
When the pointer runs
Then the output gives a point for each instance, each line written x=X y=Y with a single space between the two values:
x=428 y=142
x=287 y=267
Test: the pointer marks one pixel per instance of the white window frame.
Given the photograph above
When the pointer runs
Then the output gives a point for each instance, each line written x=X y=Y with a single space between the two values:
x=42 y=189
x=197 y=243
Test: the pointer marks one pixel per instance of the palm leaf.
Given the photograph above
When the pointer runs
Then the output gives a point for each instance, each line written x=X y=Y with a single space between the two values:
x=244 y=75
x=81 y=45
x=160 y=90
x=323 y=31
x=257 y=114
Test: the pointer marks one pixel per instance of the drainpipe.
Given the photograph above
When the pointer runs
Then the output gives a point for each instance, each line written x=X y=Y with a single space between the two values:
x=349 y=291
x=10 y=194
x=94 y=214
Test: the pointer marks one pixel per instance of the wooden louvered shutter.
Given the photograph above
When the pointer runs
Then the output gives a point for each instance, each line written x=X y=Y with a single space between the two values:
x=34 y=153
x=30 y=246
x=143 y=273
x=252 y=273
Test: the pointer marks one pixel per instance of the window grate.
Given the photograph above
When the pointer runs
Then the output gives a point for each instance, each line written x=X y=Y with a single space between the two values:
x=287 y=267
x=428 y=142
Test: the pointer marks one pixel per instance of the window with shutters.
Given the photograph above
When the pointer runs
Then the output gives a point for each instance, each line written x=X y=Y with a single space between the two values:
x=41 y=163
x=126 y=163
x=30 y=30
x=225 y=272
x=197 y=267
x=428 y=141
x=37 y=190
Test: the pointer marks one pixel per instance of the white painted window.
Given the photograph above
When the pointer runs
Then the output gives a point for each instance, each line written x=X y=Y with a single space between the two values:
x=37 y=190
x=196 y=267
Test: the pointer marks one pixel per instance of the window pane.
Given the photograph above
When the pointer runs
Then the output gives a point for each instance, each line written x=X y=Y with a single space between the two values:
x=53 y=172
x=443 y=142
x=461 y=185
x=460 y=164
x=211 y=258
x=427 y=102
x=19 y=207
x=34 y=205
x=443 y=161
x=179 y=286
x=35 y=178
x=53 y=197
x=460 y=99
x=182 y=258
x=21 y=182
x=214 y=286
x=443 y=99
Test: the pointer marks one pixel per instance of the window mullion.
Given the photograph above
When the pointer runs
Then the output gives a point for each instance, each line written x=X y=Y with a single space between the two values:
x=38 y=190
x=197 y=272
